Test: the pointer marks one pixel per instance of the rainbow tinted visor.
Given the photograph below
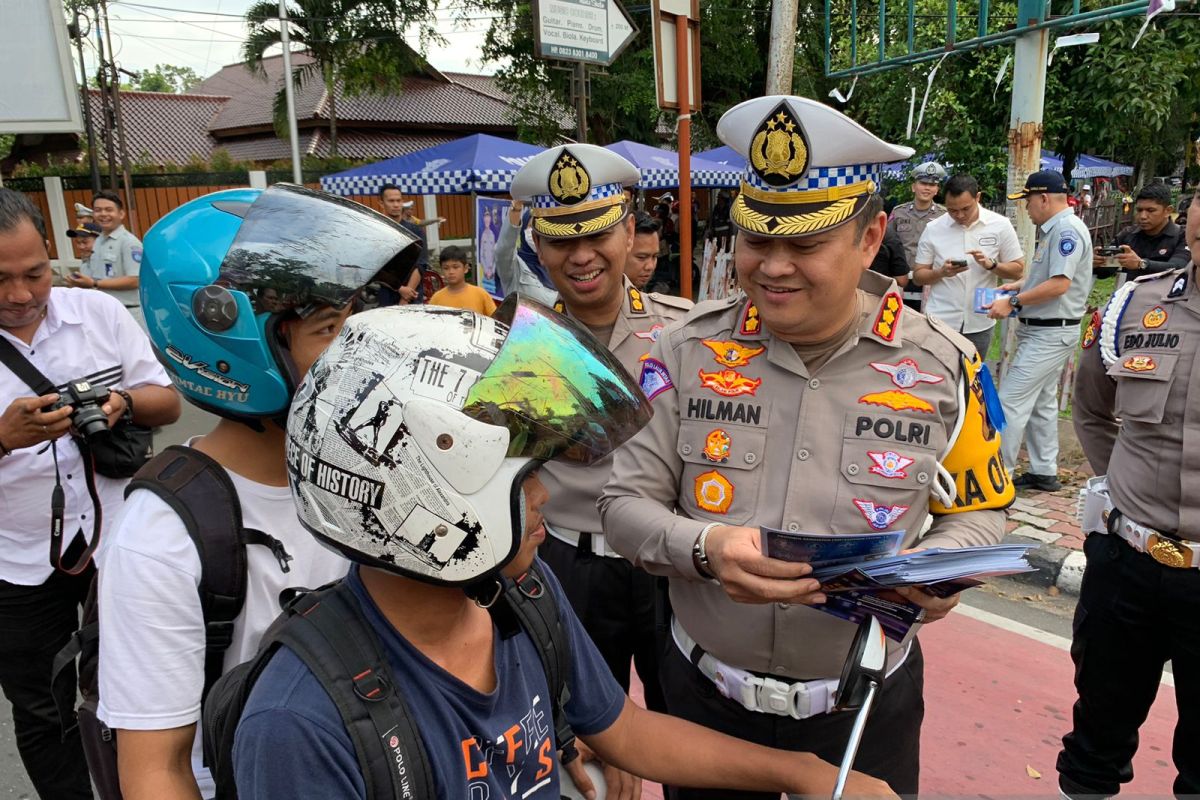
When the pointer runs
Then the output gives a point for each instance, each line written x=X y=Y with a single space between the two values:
x=561 y=394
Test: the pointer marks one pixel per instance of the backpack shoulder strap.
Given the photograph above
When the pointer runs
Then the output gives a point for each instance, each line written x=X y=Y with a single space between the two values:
x=330 y=634
x=536 y=610
x=200 y=491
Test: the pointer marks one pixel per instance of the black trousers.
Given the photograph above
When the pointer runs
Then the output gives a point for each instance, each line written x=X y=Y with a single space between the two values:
x=1133 y=615
x=35 y=622
x=891 y=744
x=616 y=603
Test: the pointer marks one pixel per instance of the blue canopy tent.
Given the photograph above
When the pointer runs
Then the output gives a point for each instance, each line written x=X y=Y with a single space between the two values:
x=660 y=167
x=478 y=163
x=724 y=155
x=1086 y=167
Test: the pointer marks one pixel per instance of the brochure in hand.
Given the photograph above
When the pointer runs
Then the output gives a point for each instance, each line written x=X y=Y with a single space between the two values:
x=857 y=571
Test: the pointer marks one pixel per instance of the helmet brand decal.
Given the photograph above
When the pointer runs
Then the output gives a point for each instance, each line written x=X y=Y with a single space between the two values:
x=201 y=369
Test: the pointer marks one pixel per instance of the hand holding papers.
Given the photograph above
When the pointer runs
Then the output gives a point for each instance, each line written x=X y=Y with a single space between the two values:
x=857 y=571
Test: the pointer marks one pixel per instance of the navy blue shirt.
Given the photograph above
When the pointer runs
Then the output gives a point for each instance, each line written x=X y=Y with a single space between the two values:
x=291 y=742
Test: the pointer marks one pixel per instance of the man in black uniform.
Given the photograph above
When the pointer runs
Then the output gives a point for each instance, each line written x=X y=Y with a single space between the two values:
x=1154 y=244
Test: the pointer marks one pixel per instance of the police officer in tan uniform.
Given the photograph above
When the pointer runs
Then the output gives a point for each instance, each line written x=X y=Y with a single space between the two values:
x=813 y=401
x=908 y=220
x=583 y=229
x=1138 y=419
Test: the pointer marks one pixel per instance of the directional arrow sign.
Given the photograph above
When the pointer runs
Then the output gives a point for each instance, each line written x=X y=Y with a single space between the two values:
x=592 y=31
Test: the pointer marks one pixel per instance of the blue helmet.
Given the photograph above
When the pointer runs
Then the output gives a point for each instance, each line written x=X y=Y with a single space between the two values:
x=220 y=272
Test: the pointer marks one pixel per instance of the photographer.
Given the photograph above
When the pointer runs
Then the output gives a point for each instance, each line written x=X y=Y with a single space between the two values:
x=1154 y=244
x=69 y=335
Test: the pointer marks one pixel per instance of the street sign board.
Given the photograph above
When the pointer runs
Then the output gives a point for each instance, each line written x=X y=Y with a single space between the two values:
x=34 y=42
x=591 y=31
x=665 y=15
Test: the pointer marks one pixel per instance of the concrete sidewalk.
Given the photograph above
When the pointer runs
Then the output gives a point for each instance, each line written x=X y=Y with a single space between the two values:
x=1047 y=519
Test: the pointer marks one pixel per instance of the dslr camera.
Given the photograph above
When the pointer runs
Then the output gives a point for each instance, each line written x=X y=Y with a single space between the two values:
x=1110 y=250
x=88 y=417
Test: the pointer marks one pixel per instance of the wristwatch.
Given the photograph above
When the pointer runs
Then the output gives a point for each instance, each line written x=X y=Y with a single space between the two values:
x=700 y=553
x=1014 y=300
x=993 y=266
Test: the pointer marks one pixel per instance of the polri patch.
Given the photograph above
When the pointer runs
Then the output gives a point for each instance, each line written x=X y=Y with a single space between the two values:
x=1154 y=318
x=732 y=354
x=655 y=378
x=729 y=383
x=713 y=492
x=880 y=517
x=905 y=373
x=897 y=401
x=716 y=446
x=1092 y=332
x=889 y=464
x=1140 y=364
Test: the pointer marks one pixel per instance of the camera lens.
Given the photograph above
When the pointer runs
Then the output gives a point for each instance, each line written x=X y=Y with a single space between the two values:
x=89 y=420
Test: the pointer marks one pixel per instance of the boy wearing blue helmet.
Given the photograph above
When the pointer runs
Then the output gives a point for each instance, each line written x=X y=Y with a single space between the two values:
x=242 y=290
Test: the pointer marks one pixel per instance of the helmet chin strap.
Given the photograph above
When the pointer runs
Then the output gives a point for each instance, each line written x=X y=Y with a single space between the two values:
x=486 y=592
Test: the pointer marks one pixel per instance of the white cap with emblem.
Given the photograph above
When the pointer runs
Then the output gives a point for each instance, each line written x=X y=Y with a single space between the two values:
x=575 y=189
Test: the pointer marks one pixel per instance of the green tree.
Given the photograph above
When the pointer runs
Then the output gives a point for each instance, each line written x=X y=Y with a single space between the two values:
x=357 y=46
x=167 y=78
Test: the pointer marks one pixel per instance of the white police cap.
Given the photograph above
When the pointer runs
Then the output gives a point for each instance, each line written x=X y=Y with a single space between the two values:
x=809 y=167
x=575 y=189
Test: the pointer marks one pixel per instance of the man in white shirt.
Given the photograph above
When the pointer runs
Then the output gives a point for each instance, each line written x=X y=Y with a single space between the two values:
x=152 y=626
x=966 y=249
x=67 y=335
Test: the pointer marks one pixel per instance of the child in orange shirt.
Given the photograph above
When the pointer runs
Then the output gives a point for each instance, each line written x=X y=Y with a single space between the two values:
x=458 y=293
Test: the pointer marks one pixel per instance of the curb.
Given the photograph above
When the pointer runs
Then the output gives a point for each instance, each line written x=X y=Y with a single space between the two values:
x=1061 y=567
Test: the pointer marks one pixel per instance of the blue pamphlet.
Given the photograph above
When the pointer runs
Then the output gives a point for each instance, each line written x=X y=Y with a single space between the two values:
x=985 y=296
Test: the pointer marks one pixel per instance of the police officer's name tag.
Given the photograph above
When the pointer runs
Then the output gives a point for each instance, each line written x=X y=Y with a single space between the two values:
x=443 y=380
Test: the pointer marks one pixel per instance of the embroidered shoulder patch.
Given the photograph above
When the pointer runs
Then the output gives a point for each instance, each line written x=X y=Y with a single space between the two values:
x=655 y=378
x=1067 y=243
x=889 y=316
x=1092 y=331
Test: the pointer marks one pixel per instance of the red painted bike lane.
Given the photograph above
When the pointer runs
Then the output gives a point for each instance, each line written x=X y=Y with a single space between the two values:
x=998 y=702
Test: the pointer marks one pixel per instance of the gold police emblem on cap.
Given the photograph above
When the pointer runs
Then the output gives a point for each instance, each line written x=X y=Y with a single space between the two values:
x=779 y=152
x=569 y=181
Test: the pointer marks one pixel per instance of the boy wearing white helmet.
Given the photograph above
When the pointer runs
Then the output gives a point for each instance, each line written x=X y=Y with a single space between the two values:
x=440 y=507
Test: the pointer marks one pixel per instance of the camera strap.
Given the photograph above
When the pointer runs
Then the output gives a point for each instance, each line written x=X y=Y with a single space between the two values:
x=24 y=369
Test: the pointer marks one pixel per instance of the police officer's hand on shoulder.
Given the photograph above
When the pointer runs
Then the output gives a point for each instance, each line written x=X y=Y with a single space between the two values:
x=748 y=576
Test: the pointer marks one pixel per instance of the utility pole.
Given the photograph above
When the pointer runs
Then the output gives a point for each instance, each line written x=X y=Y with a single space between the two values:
x=88 y=125
x=1025 y=132
x=683 y=76
x=579 y=84
x=105 y=101
x=782 y=52
x=127 y=183
x=289 y=93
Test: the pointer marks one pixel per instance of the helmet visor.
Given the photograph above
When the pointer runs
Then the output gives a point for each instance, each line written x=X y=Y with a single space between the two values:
x=560 y=393
x=298 y=249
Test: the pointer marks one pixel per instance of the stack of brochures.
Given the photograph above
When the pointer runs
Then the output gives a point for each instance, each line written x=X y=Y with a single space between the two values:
x=857 y=571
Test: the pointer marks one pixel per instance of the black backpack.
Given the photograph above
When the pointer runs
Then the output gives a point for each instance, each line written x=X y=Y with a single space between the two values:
x=328 y=632
x=199 y=490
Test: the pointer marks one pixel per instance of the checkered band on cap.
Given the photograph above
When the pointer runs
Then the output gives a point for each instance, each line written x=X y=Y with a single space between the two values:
x=600 y=192
x=821 y=178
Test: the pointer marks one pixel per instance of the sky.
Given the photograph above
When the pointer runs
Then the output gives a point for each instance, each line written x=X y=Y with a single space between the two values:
x=207 y=34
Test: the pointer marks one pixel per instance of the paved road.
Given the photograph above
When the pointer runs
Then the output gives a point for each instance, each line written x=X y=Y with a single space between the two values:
x=998 y=695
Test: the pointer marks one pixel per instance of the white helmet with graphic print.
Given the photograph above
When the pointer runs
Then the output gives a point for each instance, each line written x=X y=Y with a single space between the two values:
x=410 y=438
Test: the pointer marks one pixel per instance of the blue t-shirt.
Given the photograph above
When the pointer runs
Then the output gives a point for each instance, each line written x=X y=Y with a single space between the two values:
x=291 y=743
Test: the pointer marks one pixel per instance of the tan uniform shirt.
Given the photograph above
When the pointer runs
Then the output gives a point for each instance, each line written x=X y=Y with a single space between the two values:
x=909 y=223
x=574 y=490
x=1138 y=417
x=748 y=435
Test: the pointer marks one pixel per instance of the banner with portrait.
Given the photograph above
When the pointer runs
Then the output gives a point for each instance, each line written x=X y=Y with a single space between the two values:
x=489 y=214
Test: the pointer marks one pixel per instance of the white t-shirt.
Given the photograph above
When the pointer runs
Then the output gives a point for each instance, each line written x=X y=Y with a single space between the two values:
x=152 y=645
x=88 y=335
x=952 y=299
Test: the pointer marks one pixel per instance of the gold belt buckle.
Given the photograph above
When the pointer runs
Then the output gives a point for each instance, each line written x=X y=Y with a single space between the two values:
x=1168 y=552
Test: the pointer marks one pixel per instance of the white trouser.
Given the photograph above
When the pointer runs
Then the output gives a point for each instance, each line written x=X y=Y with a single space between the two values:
x=1029 y=395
